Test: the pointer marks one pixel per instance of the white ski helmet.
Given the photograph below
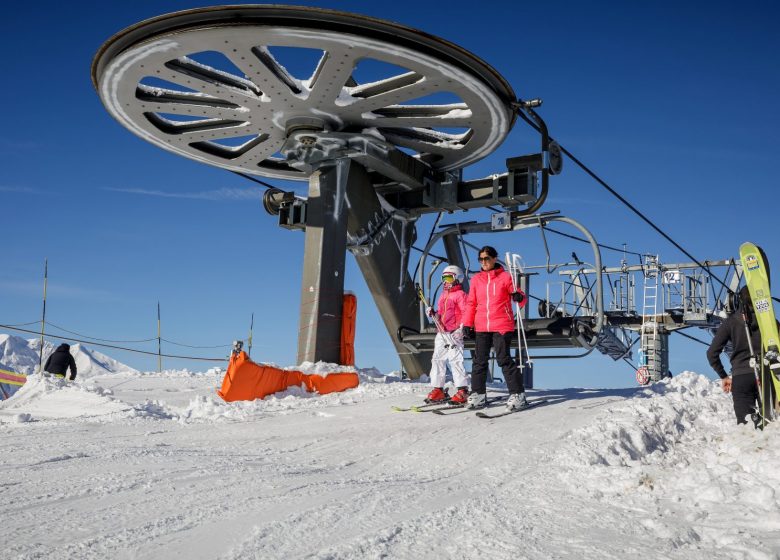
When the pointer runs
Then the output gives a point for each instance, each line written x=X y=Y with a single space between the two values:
x=456 y=271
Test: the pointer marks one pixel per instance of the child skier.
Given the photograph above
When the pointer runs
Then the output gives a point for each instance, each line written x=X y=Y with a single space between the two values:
x=448 y=346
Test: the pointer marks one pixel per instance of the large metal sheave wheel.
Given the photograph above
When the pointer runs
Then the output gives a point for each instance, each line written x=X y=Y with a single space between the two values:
x=227 y=86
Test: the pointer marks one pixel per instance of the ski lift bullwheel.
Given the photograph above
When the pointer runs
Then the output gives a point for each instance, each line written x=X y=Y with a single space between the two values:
x=214 y=85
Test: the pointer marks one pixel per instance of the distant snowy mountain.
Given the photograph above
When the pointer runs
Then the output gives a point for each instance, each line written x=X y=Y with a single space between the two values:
x=17 y=355
x=21 y=356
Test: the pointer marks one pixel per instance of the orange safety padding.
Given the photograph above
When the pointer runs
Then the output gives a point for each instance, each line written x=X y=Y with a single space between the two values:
x=348 y=319
x=332 y=383
x=246 y=381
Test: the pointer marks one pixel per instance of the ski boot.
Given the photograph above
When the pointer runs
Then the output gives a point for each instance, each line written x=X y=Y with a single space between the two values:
x=437 y=395
x=461 y=397
x=476 y=400
x=516 y=401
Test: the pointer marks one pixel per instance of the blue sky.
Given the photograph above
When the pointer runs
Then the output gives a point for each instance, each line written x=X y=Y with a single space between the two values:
x=674 y=104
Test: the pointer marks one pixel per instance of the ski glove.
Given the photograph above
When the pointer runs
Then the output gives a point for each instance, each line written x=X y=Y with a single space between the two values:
x=468 y=333
x=430 y=312
x=520 y=298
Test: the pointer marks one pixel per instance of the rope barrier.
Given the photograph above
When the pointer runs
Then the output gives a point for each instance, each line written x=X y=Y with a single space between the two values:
x=190 y=346
x=100 y=339
x=26 y=324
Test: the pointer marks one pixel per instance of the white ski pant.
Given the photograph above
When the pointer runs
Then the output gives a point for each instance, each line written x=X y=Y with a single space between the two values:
x=448 y=350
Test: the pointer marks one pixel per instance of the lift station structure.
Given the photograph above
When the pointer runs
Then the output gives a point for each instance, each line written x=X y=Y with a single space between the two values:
x=209 y=84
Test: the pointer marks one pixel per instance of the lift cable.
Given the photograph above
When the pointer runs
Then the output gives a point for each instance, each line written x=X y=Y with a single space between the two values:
x=551 y=230
x=429 y=254
x=617 y=195
x=254 y=179
x=691 y=337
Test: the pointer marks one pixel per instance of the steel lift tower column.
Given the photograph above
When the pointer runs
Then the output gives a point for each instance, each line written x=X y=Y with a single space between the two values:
x=322 y=289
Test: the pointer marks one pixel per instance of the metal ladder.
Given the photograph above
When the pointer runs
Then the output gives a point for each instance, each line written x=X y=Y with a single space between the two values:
x=649 y=332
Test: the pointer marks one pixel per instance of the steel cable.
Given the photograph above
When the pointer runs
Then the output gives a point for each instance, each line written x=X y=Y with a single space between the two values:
x=630 y=206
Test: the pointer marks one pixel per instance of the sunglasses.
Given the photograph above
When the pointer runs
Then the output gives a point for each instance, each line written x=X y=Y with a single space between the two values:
x=485 y=259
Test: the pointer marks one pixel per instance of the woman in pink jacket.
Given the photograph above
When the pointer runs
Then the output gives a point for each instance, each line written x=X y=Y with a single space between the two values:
x=489 y=313
x=448 y=345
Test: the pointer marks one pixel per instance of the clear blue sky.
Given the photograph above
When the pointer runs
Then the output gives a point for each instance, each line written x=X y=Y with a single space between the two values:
x=674 y=103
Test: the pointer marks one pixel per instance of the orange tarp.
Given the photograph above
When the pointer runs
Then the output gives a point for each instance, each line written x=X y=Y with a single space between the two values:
x=245 y=380
x=348 y=316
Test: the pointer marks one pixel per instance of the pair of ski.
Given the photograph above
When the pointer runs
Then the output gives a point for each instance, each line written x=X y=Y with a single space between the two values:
x=450 y=409
x=756 y=271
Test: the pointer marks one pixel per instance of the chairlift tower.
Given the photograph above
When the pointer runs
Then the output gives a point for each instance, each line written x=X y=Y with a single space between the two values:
x=208 y=84
x=377 y=153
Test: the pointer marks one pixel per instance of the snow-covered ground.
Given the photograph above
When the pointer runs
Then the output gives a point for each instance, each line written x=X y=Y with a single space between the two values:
x=147 y=465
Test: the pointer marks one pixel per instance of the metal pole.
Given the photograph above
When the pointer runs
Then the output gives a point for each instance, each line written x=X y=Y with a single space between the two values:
x=324 y=257
x=159 y=341
x=251 y=326
x=43 y=317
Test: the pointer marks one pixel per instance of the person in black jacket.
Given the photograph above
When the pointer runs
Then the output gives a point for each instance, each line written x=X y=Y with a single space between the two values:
x=59 y=362
x=742 y=384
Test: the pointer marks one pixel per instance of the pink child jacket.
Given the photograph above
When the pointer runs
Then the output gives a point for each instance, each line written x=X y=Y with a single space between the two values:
x=452 y=304
x=489 y=303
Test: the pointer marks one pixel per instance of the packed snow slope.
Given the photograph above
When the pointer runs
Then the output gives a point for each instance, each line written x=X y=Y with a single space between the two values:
x=132 y=465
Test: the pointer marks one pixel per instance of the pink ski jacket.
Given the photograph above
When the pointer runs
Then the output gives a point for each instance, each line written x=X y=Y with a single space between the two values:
x=489 y=303
x=452 y=304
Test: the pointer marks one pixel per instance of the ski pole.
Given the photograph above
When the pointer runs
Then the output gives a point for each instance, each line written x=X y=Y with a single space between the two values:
x=522 y=325
x=439 y=327
x=513 y=268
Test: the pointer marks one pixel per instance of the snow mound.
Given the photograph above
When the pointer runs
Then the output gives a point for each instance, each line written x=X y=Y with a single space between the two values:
x=675 y=449
x=48 y=398
x=646 y=428
x=323 y=369
x=211 y=408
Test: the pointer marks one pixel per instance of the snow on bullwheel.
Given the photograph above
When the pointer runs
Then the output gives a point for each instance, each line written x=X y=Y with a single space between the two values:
x=228 y=86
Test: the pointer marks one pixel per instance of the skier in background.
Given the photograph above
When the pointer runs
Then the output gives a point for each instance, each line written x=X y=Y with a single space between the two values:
x=59 y=362
x=742 y=383
x=489 y=313
x=448 y=346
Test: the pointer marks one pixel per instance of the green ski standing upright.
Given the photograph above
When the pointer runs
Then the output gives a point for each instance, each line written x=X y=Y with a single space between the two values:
x=756 y=271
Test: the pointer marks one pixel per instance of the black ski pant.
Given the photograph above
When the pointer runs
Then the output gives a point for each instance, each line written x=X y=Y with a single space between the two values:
x=744 y=390
x=501 y=343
